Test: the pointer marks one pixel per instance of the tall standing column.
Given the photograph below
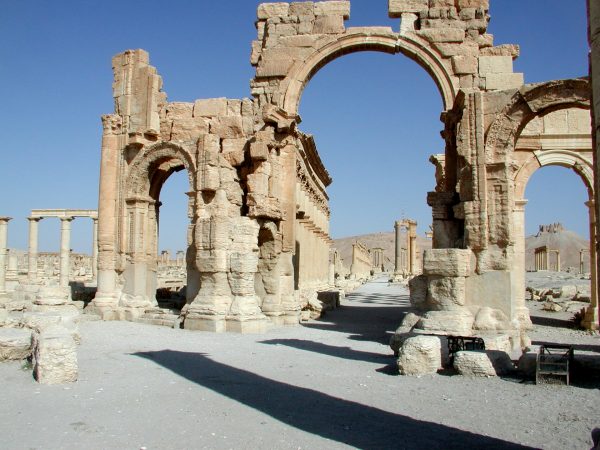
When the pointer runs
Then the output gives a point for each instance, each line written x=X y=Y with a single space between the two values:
x=412 y=238
x=95 y=248
x=3 y=245
x=521 y=312
x=32 y=257
x=112 y=141
x=65 y=250
x=398 y=252
x=591 y=319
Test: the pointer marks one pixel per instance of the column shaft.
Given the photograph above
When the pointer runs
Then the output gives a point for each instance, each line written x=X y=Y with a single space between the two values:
x=32 y=255
x=65 y=251
x=3 y=245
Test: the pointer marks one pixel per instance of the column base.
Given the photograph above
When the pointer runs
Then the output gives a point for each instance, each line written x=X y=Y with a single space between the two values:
x=221 y=324
x=590 y=320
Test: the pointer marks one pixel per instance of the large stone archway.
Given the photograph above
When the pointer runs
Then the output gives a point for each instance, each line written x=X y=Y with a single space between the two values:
x=259 y=241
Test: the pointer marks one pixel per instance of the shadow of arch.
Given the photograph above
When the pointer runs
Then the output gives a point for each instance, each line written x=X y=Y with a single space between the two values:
x=314 y=412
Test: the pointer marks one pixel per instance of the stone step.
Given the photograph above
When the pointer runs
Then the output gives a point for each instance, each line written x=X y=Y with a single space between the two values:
x=163 y=320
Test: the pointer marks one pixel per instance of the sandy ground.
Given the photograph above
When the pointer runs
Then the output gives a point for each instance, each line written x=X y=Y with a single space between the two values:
x=326 y=384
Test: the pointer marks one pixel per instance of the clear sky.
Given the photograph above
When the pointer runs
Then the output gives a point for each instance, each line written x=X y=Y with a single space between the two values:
x=375 y=116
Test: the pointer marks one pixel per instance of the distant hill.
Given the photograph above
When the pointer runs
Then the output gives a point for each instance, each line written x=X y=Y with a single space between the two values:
x=555 y=236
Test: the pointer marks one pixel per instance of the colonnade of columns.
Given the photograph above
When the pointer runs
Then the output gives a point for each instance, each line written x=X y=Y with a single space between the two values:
x=66 y=217
x=541 y=258
x=406 y=257
x=378 y=259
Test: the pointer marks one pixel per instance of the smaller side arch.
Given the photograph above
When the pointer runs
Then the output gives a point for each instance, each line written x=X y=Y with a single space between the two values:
x=171 y=156
x=565 y=158
x=528 y=102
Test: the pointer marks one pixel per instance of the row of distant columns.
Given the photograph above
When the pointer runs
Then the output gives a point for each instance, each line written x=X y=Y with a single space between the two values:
x=65 y=249
x=406 y=260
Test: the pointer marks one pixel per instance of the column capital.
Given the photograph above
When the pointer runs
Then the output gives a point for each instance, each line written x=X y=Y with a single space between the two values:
x=590 y=203
x=520 y=204
x=5 y=219
x=67 y=219
x=34 y=219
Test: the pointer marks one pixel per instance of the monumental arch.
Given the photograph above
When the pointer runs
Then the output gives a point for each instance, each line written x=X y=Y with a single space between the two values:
x=258 y=241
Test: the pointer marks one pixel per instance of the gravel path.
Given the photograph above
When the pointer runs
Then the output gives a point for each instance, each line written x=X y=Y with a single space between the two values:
x=326 y=384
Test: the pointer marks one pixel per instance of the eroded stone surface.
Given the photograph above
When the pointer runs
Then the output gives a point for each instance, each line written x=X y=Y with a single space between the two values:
x=420 y=355
x=55 y=356
x=15 y=344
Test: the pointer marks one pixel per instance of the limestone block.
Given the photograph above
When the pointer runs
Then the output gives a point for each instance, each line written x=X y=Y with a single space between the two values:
x=328 y=25
x=446 y=293
x=503 y=81
x=458 y=322
x=259 y=151
x=494 y=341
x=305 y=40
x=448 y=262
x=490 y=319
x=512 y=50
x=397 y=7
x=278 y=30
x=3 y=316
x=274 y=67
x=568 y=291
x=211 y=107
x=234 y=151
x=403 y=331
x=332 y=8
x=301 y=9
x=255 y=52
x=234 y=107
x=246 y=262
x=442 y=34
x=229 y=127
x=464 y=64
x=179 y=110
x=52 y=295
x=483 y=363
x=15 y=344
x=485 y=4
x=188 y=129
x=212 y=261
x=241 y=283
x=55 y=356
x=269 y=10
x=418 y=291
x=420 y=355
x=495 y=64
x=39 y=321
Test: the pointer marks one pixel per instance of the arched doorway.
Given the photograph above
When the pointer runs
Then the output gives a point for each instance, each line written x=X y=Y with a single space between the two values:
x=561 y=137
x=149 y=170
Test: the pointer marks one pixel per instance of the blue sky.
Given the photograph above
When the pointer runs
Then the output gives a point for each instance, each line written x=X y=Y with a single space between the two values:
x=375 y=116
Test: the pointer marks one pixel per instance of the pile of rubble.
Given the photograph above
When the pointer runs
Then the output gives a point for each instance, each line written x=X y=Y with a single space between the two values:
x=44 y=332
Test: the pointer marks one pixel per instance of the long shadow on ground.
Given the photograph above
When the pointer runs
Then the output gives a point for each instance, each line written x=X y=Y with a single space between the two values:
x=317 y=413
x=366 y=316
x=331 y=350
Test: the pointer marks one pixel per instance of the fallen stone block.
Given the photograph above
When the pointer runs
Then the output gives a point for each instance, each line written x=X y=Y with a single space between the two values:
x=483 y=363
x=420 y=355
x=55 y=356
x=15 y=344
